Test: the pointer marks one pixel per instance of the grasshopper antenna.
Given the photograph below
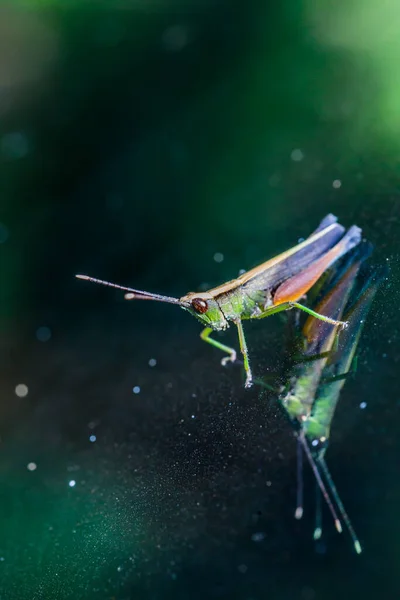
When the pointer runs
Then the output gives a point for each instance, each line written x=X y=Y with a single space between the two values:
x=321 y=484
x=339 y=503
x=133 y=294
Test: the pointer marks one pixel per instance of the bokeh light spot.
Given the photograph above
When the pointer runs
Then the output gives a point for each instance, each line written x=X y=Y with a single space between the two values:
x=21 y=390
x=4 y=234
x=43 y=334
x=218 y=257
x=297 y=155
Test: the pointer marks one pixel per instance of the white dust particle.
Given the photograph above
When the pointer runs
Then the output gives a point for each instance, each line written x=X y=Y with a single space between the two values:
x=21 y=390
x=242 y=568
x=314 y=443
x=152 y=362
x=92 y=438
x=363 y=405
x=218 y=257
x=72 y=483
x=31 y=466
x=297 y=155
x=258 y=537
x=337 y=184
x=136 y=389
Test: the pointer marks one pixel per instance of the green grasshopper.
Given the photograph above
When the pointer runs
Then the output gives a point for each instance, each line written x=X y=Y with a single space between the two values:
x=315 y=386
x=272 y=287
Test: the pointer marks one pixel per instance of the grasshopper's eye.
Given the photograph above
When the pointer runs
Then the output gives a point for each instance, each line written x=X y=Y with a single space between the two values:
x=199 y=305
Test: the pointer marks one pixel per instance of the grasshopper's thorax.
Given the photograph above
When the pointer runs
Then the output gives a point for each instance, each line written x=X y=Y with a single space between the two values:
x=205 y=308
x=236 y=304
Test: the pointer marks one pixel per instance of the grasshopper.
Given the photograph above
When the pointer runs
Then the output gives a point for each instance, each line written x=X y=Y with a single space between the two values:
x=272 y=287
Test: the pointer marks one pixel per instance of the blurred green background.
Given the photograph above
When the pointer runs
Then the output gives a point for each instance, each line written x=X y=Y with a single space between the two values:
x=137 y=140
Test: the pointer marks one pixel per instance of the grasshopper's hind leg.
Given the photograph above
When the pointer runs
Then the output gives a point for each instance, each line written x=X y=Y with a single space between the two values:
x=341 y=324
x=273 y=310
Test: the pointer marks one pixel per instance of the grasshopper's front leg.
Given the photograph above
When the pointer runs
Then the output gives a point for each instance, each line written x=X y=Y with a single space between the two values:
x=205 y=335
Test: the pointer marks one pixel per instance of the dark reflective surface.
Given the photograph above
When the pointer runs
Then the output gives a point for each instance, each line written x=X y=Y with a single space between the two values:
x=136 y=146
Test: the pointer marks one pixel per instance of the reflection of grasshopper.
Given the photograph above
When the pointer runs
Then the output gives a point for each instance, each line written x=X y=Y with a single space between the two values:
x=272 y=287
x=311 y=396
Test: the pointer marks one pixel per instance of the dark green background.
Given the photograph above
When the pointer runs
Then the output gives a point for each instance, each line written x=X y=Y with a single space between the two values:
x=136 y=140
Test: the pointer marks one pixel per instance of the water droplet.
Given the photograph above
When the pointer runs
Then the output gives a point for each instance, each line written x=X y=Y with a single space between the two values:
x=31 y=466
x=136 y=389
x=363 y=405
x=72 y=483
x=92 y=438
x=152 y=362
x=218 y=257
x=337 y=184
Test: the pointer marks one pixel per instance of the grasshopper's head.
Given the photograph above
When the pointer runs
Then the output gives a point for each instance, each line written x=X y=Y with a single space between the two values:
x=205 y=308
